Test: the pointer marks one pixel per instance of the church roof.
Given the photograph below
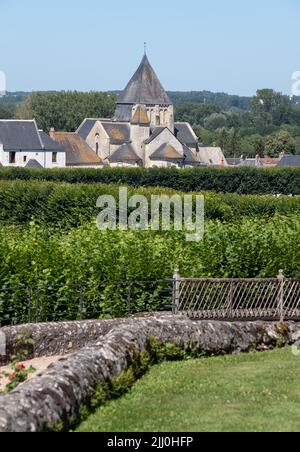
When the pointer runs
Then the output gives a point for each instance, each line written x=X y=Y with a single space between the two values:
x=118 y=133
x=125 y=153
x=140 y=116
x=155 y=133
x=145 y=87
x=185 y=134
x=166 y=152
x=87 y=124
x=85 y=127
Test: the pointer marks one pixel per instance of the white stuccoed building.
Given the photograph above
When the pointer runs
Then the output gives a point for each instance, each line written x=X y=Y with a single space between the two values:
x=23 y=145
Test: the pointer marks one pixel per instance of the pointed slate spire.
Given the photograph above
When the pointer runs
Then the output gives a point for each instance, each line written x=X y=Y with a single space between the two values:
x=145 y=87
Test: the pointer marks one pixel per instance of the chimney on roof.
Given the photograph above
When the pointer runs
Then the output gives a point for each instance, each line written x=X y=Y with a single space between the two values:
x=52 y=133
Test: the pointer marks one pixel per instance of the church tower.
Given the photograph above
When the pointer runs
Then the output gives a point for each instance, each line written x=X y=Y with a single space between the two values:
x=144 y=94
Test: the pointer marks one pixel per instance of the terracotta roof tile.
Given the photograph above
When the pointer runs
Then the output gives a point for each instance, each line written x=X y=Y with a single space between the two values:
x=77 y=150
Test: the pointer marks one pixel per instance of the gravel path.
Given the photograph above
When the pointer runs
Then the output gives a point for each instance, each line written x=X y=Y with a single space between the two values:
x=40 y=364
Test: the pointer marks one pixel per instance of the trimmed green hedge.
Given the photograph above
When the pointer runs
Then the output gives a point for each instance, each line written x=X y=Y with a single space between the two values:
x=66 y=205
x=40 y=257
x=229 y=180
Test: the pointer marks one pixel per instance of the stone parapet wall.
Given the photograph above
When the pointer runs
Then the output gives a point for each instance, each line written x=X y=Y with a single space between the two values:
x=50 y=339
x=58 y=393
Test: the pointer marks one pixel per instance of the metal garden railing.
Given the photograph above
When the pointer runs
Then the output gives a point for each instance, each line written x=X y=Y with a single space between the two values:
x=82 y=301
x=204 y=298
x=269 y=299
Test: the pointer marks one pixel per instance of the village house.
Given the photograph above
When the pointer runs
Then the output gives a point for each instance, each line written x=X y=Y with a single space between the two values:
x=143 y=131
x=23 y=145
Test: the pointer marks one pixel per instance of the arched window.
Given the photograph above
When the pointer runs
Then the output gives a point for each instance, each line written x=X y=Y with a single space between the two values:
x=97 y=148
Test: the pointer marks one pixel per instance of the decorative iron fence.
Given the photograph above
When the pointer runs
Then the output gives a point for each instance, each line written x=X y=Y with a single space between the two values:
x=82 y=301
x=266 y=299
x=204 y=298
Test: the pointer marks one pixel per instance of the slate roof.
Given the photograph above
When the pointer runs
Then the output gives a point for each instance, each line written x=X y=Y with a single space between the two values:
x=166 y=152
x=250 y=162
x=87 y=125
x=85 y=128
x=16 y=135
x=32 y=163
x=78 y=153
x=155 y=133
x=189 y=157
x=125 y=153
x=49 y=144
x=145 y=87
x=290 y=160
x=212 y=156
x=118 y=133
x=123 y=113
x=184 y=133
x=233 y=161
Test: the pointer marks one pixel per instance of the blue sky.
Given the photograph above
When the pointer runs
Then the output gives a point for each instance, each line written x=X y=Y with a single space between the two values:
x=234 y=46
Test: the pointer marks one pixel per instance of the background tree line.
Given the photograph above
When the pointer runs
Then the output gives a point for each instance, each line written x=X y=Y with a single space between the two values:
x=270 y=126
x=268 y=123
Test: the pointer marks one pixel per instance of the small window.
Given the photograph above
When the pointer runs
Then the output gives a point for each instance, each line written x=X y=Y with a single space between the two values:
x=97 y=148
x=25 y=158
x=54 y=157
x=12 y=157
x=158 y=120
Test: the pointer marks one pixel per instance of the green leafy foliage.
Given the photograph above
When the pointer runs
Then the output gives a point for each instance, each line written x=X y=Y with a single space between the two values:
x=65 y=110
x=284 y=181
x=39 y=256
x=70 y=205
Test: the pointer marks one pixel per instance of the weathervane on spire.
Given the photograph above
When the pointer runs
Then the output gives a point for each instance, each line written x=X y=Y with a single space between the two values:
x=145 y=48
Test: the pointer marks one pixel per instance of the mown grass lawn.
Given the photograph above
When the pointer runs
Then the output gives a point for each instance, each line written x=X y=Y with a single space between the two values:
x=253 y=392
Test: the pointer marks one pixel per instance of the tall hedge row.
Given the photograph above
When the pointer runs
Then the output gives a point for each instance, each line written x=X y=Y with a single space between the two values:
x=229 y=180
x=36 y=256
x=68 y=205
